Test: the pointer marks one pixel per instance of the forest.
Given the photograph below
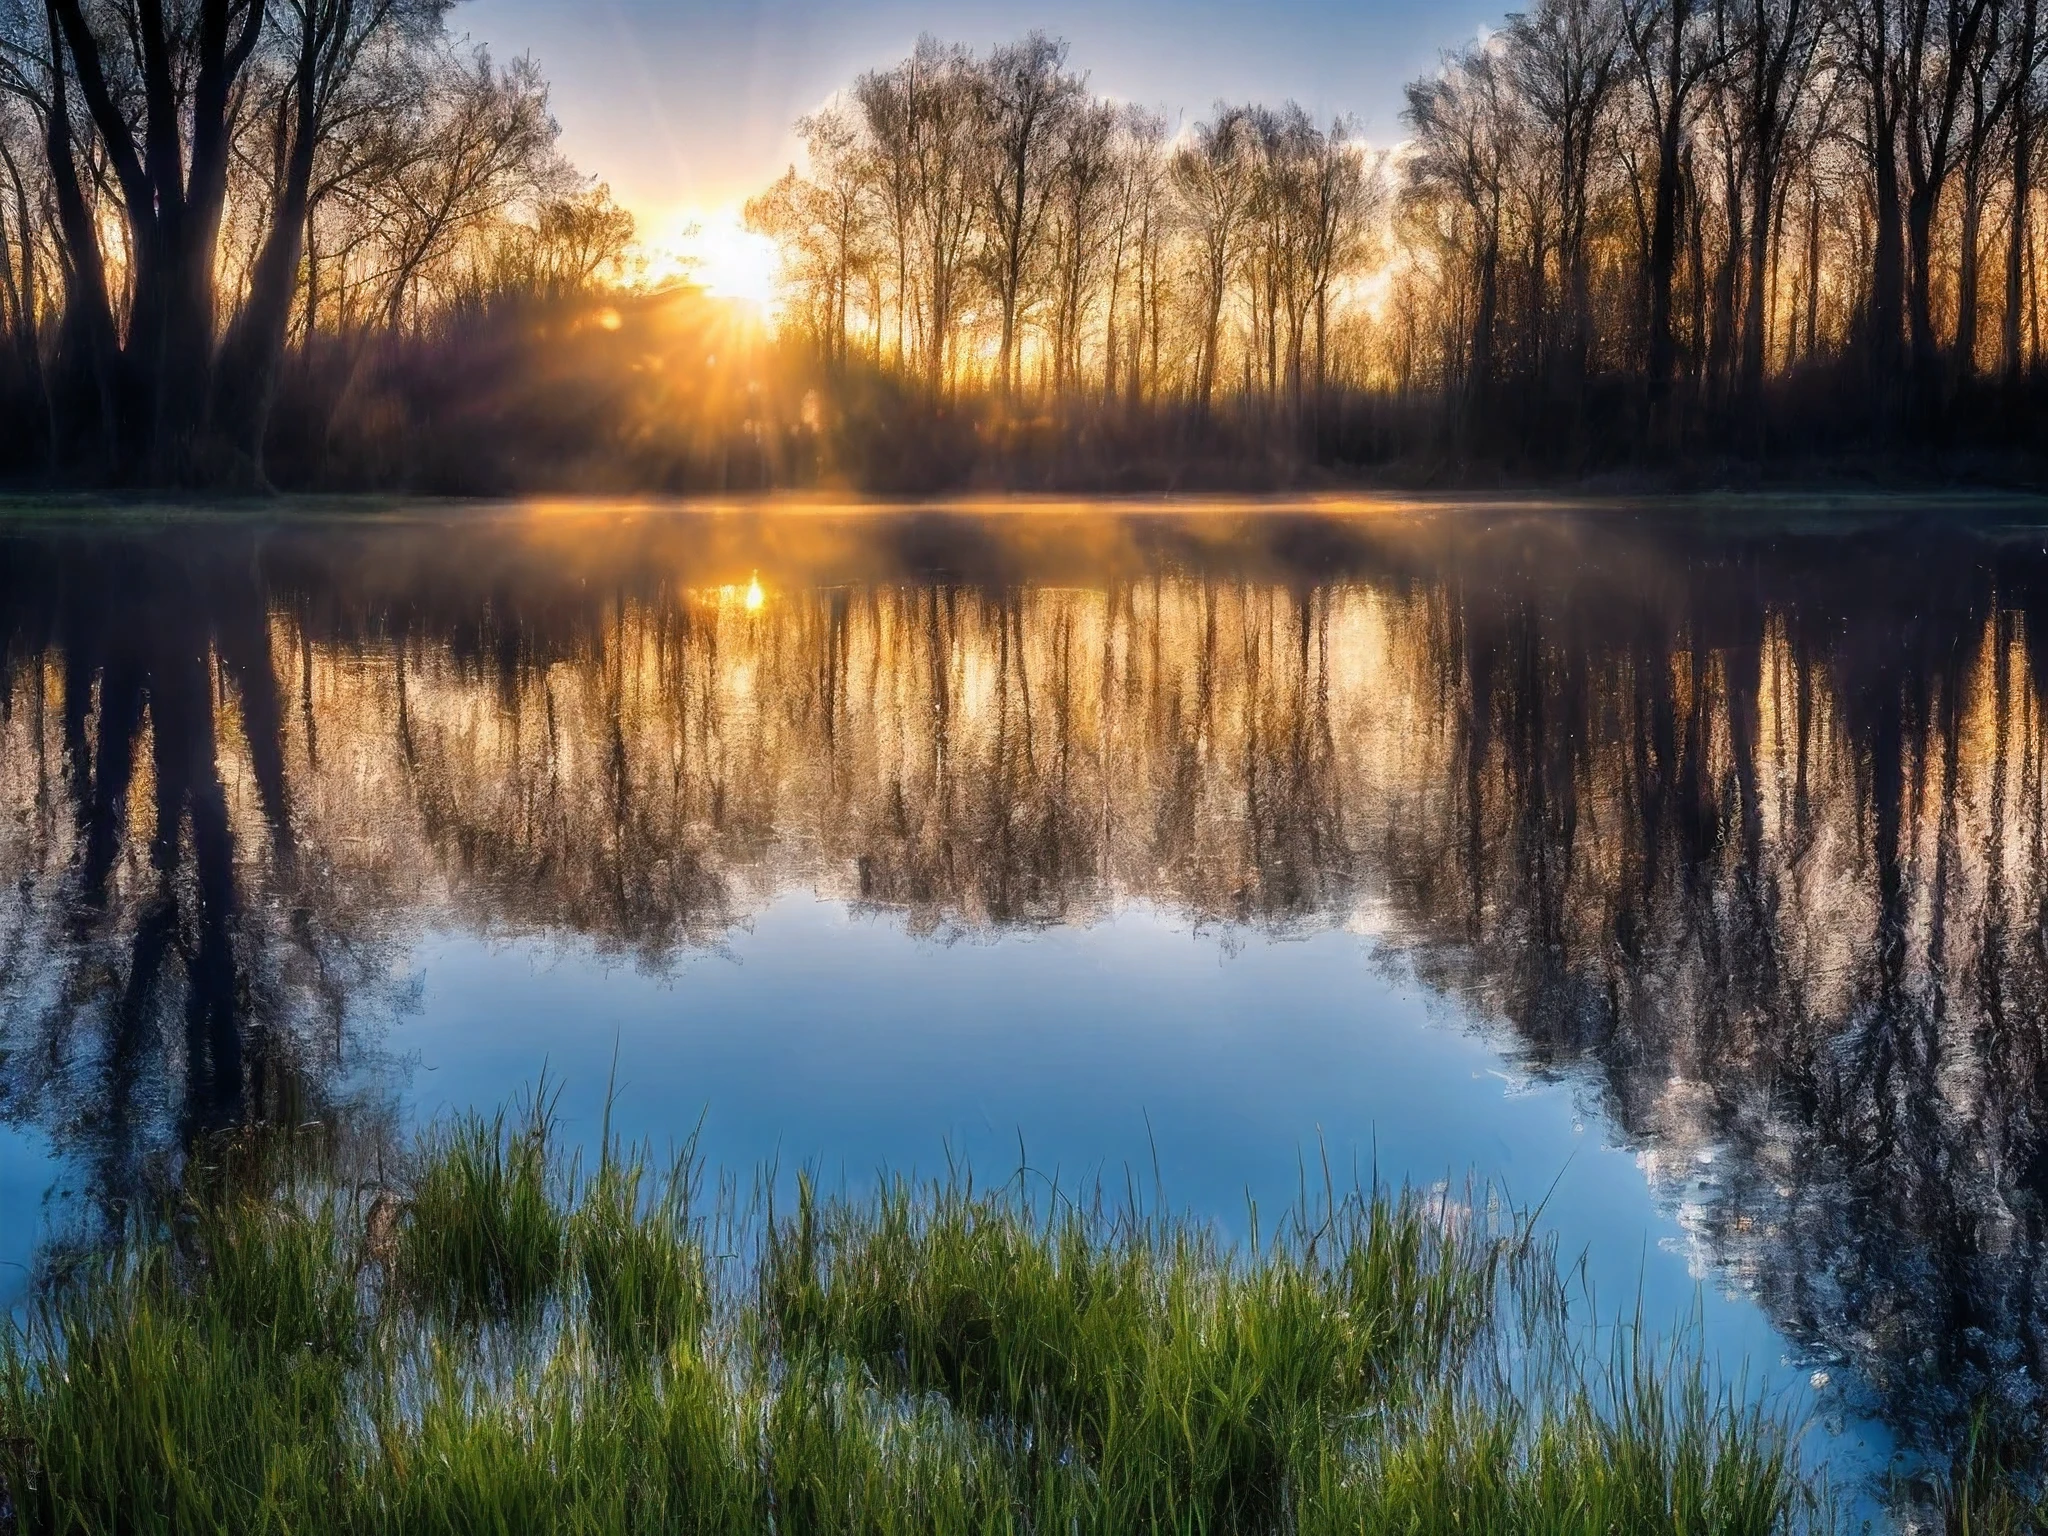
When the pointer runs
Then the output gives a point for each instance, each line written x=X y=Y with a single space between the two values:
x=242 y=235
x=1615 y=232
x=329 y=244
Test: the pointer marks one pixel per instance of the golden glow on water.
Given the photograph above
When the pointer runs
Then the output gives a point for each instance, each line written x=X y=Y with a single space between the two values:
x=1231 y=748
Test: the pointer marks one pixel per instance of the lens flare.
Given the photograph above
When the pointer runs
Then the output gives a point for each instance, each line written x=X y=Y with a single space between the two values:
x=718 y=253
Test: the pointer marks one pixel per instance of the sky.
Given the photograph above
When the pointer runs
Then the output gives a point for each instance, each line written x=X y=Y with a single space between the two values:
x=685 y=107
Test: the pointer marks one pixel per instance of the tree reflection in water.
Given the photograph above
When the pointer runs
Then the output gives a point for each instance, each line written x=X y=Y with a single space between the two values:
x=1747 y=826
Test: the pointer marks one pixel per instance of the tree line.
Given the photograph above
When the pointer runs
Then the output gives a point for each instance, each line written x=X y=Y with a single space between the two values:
x=200 y=196
x=1613 y=228
x=329 y=242
x=989 y=223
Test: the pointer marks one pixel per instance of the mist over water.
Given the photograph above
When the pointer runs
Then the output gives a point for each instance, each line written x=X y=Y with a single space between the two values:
x=1688 y=874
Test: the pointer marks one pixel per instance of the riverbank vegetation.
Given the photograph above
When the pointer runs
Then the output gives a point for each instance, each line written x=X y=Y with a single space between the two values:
x=501 y=1340
x=329 y=244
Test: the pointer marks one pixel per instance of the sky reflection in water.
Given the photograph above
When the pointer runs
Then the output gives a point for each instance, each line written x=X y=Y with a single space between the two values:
x=1696 y=872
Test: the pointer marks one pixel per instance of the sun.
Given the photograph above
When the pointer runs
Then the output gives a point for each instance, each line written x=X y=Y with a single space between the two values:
x=729 y=261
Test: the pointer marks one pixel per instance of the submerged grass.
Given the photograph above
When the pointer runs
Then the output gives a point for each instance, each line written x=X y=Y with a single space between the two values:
x=531 y=1348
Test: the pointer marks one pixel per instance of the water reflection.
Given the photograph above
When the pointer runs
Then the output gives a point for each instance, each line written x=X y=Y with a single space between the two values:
x=168 y=963
x=1749 y=824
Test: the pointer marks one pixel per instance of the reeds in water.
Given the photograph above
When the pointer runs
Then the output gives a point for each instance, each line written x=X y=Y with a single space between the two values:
x=537 y=1348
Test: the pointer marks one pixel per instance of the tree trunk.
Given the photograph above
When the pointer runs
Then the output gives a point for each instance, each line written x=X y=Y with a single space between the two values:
x=1479 y=373
x=2017 y=231
x=246 y=377
x=1696 y=262
x=1926 y=346
x=1663 y=267
x=173 y=213
x=1968 y=267
x=1813 y=272
x=27 y=300
x=1663 y=350
x=1013 y=275
x=1721 y=347
x=89 y=348
x=1887 y=278
x=1755 y=339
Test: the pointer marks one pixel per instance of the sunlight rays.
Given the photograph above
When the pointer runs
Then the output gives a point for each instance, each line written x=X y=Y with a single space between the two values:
x=718 y=253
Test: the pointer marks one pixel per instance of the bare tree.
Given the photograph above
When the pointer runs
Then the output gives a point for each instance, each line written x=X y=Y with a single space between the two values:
x=1773 y=47
x=1460 y=157
x=324 y=43
x=1993 y=88
x=887 y=102
x=1213 y=174
x=1138 y=184
x=481 y=142
x=1344 y=194
x=1083 y=228
x=922 y=115
x=1565 y=56
x=158 y=96
x=1672 y=43
x=823 y=222
x=1938 y=44
x=2023 y=70
x=1025 y=101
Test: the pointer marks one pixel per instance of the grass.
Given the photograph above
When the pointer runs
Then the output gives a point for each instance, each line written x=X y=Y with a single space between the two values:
x=485 y=1236
x=511 y=1344
x=1991 y=1485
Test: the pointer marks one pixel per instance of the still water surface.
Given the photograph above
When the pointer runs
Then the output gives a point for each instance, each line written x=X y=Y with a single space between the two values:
x=1690 y=877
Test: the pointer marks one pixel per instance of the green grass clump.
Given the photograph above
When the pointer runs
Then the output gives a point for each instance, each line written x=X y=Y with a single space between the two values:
x=644 y=1282
x=1991 y=1485
x=282 y=1274
x=1344 y=1378
x=184 y=1391
x=484 y=1235
x=1196 y=1387
x=531 y=1350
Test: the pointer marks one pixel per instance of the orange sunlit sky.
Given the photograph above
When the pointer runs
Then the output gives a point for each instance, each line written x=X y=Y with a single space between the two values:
x=685 y=106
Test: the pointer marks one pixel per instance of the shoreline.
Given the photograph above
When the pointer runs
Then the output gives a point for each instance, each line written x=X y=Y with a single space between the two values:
x=25 y=508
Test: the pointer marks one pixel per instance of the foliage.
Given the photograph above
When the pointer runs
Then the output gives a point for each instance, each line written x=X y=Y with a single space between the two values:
x=485 y=1237
x=933 y=1358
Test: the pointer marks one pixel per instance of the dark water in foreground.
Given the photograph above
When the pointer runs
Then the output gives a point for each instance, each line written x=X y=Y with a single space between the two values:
x=1695 y=878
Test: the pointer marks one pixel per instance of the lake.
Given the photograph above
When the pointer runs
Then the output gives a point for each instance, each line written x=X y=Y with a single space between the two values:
x=1683 y=871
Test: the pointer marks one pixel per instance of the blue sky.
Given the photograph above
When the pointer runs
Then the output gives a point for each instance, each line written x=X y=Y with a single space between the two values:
x=687 y=104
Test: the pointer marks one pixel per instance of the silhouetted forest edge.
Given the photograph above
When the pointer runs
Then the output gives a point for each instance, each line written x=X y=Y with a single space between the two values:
x=1667 y=243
